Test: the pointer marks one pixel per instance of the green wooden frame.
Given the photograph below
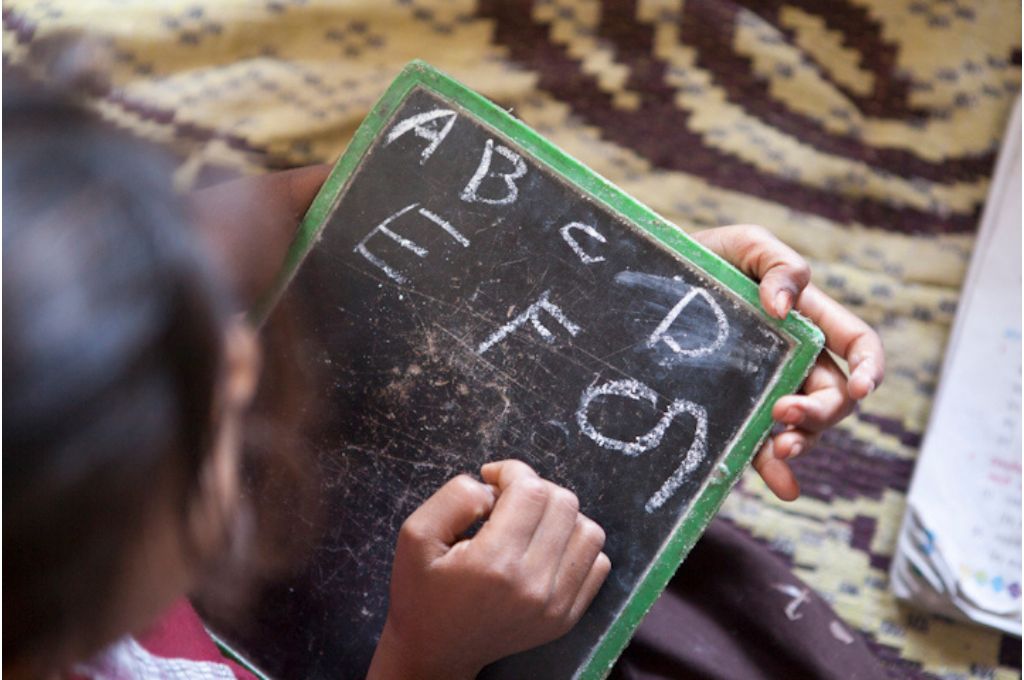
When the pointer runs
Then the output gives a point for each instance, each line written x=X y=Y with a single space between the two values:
x=807 y=339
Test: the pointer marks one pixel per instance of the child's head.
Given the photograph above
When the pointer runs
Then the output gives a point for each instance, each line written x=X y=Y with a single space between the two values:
x=124 y=380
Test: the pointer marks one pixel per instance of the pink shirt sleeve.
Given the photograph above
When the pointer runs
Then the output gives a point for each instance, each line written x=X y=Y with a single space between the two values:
x=177 y=645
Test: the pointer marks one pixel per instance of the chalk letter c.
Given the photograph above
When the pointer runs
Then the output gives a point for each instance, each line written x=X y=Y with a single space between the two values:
x=576 y=247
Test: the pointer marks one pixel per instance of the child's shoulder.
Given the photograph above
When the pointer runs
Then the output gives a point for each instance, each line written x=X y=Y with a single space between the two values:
x=176 y=645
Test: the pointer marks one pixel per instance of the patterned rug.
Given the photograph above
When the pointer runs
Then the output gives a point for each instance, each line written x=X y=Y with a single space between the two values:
x=862 y=132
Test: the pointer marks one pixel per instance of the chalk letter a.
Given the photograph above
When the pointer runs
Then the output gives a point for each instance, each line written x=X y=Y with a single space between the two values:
x=471 y=193
x=426 y=126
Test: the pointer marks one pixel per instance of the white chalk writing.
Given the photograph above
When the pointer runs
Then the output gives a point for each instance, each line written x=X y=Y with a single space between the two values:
x=443 y=223
x=418 y=124
x=532 y=314
x=800 y=596
x=576 y=248
x=660 y=333
x=694 y=455
x=471 y=193
x=406 y=243
x=634 y=389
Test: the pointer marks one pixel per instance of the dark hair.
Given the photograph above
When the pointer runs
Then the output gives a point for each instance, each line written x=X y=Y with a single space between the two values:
x=112 y=350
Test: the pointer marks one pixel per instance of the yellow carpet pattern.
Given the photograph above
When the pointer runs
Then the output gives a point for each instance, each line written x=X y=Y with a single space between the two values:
x=861 y=132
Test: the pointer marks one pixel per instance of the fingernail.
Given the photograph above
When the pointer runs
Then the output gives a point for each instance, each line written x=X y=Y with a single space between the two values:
x=796 y=450
x=793 y=416
x=864 y=371
x=783 y=300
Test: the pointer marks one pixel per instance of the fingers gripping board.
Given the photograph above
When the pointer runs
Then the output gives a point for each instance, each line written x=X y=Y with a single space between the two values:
x=468 y=293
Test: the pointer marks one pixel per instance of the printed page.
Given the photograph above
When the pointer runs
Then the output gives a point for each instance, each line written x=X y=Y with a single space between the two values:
x=964 y=516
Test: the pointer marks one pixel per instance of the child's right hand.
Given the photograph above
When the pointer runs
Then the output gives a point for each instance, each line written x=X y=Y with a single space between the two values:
x=524 y=579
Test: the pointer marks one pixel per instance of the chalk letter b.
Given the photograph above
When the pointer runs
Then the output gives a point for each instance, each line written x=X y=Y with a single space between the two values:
x=471 y=194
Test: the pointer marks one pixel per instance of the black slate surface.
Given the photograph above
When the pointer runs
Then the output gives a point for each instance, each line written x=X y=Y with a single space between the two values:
x=415 y=381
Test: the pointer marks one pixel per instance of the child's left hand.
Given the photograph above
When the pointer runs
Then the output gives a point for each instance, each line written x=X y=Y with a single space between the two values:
x=250 y=223
x=827 y=396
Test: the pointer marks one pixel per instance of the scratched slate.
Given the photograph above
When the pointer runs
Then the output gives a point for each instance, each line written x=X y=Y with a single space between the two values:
x=406 y=401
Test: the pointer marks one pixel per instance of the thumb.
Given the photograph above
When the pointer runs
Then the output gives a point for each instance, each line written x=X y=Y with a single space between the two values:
x=781 y=285
x=781 y=270
x=249 y=223
x=500 y=474
x=434 y=527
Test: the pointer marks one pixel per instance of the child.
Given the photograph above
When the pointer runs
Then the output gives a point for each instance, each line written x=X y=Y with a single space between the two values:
x=126 y=376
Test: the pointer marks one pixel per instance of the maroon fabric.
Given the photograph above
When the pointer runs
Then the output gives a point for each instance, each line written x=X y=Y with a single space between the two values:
x=735 y=611
x=180 y=633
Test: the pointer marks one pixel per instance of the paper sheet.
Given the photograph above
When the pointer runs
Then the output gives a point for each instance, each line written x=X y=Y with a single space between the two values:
x=959 y=550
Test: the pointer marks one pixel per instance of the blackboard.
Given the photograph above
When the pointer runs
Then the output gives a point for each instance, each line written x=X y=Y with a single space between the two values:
x=469 y=293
